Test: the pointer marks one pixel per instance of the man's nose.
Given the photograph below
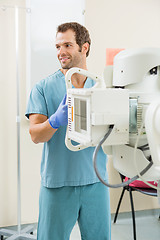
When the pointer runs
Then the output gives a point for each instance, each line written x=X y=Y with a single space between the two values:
x=61 y=50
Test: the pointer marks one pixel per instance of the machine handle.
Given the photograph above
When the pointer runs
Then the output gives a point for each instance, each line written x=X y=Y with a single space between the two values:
x=72 y=147
x=70 y=72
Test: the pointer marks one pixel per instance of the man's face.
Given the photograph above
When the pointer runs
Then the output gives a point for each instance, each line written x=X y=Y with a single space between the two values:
x=68 y=51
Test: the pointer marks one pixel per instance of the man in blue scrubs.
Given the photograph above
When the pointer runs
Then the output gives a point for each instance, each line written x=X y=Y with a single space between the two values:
x=70 y=190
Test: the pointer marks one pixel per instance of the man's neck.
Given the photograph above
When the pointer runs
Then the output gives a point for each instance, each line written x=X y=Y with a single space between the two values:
x=78 y=80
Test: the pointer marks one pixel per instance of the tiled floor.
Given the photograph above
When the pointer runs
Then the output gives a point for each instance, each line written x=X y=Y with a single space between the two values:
x=147 y=227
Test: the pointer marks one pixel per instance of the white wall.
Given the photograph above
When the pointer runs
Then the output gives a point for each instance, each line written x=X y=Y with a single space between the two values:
x=122 y=24
x=113 y=23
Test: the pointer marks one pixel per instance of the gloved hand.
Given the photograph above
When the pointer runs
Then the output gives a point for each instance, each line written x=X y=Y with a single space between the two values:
x=60 y=117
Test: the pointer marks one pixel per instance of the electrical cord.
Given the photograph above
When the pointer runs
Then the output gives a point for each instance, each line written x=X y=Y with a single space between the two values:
x=96 y=169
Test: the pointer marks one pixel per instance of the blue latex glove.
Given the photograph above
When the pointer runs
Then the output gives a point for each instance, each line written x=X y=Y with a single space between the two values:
x=60 y=117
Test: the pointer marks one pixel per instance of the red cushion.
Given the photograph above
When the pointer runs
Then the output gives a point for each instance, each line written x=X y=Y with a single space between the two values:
x=140 y=184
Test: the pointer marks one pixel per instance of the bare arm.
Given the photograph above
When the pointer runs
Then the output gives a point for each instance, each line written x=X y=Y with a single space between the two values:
x=40 y=129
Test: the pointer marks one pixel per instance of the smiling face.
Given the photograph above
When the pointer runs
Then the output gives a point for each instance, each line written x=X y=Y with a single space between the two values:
x=68 y=51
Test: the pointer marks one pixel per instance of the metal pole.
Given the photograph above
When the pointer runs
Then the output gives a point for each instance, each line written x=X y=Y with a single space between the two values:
x=18 y=120
x=25 y=233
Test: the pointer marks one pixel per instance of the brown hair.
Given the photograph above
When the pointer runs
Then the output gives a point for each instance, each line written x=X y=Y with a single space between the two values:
x=81 y=33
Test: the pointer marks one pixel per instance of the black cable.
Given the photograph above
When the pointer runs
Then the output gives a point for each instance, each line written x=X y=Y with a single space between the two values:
x=96 y=170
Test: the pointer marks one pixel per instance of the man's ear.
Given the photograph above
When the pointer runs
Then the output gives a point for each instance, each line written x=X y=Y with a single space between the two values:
x=85 y=47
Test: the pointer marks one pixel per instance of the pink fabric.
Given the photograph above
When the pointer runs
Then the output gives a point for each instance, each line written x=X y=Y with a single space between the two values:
x=140 y=184
x=110 y=54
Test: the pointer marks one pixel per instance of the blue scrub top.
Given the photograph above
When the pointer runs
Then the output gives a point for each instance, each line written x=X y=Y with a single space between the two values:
x=60 y=166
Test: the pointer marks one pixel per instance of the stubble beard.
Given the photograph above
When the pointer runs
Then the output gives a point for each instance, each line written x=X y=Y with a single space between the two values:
x=67 y=66
x=74 y=62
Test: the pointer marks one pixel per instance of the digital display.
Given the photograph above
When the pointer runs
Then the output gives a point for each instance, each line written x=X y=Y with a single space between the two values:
x=80 y=115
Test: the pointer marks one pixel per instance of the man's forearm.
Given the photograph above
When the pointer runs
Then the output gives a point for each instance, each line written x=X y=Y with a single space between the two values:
x=41 y=132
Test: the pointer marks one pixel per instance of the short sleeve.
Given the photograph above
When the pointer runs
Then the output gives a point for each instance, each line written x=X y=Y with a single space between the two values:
x=89 y=83
x=37 y=103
